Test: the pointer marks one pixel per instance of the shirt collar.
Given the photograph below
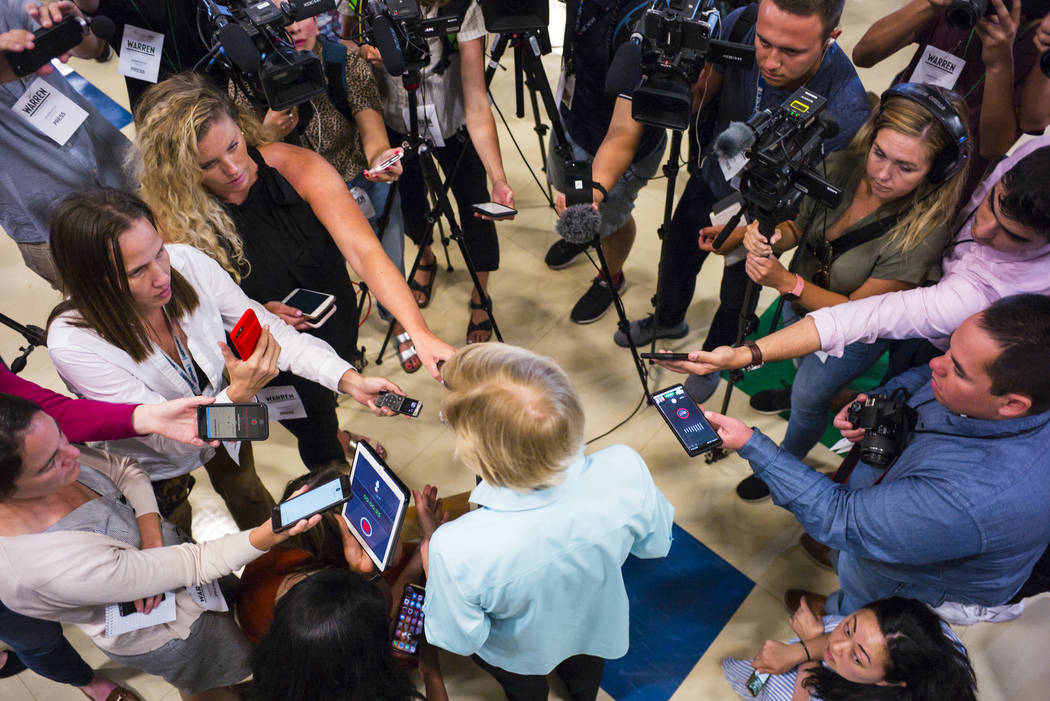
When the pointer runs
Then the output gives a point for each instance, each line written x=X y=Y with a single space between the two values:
x=505 y=499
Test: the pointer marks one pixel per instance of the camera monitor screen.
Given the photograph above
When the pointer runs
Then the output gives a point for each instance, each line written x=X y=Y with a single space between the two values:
x=377 y=505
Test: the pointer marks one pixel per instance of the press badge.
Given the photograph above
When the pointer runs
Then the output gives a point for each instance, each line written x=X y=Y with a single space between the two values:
x=140 y=53
x=427 y=115
x=49 y=111
x=566 y=88
x=938 y=67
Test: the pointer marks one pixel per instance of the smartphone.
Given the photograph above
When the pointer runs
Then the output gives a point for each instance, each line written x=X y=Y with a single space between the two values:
x=239 y=422
x=320 y=498
x=756 y=681
x=128 y=607
x=494 y=210
x=402 y=405
x=665 y=356
x=386 y=163
x=245 y=334
x=687 y=422
x=578 y=183
x=408 y=625
x=320 y=322
x=47 y=44
x=313 y=305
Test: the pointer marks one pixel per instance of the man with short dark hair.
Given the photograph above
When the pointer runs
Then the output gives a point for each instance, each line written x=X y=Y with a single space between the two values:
x=960 y=517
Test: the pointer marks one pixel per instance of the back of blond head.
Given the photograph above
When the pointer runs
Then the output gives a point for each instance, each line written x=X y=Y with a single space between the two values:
x=517 y=416
x=171 y=118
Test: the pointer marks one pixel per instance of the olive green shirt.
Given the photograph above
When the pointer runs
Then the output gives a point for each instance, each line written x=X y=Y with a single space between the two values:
x=876 y=258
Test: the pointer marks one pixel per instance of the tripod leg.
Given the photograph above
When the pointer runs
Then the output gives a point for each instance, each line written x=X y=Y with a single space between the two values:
x=671 y=171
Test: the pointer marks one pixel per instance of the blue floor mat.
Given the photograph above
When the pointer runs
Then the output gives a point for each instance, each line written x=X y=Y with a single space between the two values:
x=110 y=109
x=679 y=604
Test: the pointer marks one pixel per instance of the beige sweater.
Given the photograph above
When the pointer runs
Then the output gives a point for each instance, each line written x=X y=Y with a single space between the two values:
x=71 y=576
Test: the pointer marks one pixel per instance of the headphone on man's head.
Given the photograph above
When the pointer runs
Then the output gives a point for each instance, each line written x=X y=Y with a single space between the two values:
x=953 y=157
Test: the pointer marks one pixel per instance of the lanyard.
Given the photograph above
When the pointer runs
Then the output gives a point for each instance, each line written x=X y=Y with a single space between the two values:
x=186 y=370
x=760 y=87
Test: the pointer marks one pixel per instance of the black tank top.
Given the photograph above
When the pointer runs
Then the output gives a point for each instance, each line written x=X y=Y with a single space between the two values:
x=286 y=246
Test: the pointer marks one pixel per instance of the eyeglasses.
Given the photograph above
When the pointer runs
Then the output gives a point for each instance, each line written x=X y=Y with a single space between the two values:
x=823 y=254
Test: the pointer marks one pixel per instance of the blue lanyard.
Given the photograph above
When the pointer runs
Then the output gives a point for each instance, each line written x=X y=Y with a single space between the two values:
x=186 y=371
x=760 y=87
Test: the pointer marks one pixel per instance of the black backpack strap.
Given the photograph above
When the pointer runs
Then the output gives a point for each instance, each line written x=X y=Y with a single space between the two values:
x=866 y=233
x=744 y=23
x=335 y=73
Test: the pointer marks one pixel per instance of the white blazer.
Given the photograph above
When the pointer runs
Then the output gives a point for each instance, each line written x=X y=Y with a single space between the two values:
x=94 y=368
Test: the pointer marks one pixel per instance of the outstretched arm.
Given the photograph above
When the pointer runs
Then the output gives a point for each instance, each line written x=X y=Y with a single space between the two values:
x=895 y=31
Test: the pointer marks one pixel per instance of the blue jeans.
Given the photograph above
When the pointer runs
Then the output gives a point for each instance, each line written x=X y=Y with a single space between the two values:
x=816 y=384
x=42 y=647
x=393 y=237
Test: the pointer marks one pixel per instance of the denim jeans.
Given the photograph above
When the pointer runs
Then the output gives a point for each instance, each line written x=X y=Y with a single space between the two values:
x=816 y=384
x=42 y=647
x=393 y=237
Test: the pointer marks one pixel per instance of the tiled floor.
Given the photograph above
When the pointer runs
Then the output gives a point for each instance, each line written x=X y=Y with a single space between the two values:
x=531 y=306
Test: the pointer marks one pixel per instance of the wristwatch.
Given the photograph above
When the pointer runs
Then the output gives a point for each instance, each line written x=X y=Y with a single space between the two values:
x=756 y=356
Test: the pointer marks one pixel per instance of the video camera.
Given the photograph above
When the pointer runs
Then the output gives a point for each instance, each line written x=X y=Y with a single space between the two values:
x=782 y=147
x=398 y=30
x=667 y=50
x=255 y=51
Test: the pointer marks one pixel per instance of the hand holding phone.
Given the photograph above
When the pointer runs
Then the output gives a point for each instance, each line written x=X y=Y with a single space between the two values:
x=686 y=420
x=319 y=499
x=248 y=421
x=245 y=334
x=494 y=210
x=408 y=624
x=385 y=163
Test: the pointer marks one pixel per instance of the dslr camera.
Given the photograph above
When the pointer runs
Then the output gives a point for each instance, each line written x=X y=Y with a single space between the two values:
x=962 y=15
x=886 y=421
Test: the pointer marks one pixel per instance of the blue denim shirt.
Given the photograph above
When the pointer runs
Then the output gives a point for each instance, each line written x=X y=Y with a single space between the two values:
x=528 y=580
x=962 y=516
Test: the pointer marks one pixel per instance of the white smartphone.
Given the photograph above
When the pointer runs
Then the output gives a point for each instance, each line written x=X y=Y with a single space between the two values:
x=386 y=163
x=314 y=305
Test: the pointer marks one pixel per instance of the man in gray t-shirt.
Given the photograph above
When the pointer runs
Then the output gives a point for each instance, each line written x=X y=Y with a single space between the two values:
x=37 y=170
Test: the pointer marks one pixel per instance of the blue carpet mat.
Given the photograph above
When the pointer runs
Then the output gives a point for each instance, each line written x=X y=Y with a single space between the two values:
x=678 y=605
x=110 y=109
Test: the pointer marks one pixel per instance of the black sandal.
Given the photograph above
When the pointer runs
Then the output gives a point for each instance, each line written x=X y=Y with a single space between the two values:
x=430 y=268
x=485 y=325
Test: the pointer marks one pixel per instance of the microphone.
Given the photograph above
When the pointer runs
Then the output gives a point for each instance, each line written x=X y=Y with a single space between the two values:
x=579 y=224
x=625 y=70
x=737 y=138
x=103 y=27
x=389 y=45
x=239 y=47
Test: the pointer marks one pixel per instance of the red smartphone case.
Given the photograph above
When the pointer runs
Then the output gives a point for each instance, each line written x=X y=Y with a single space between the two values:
x=245 y=334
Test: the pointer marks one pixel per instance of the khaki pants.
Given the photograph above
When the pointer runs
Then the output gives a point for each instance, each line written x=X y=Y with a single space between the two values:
x=238 y=485
x=37 y=257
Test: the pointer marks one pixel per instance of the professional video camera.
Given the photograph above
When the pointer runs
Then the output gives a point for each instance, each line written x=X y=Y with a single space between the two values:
x=782 y=147
x=962 y=15
x=255 y=51
x=886 y=421
x=398 y=30
x=667 y=50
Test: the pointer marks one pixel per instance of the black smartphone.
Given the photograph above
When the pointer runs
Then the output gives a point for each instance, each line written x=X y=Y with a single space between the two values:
x=665 y=356
x=47 y=44
x=578 y=183
x=235 y=422
x=494 y=210
x=128 y=607
x=314 y=305
x=402 y=405
x=683 y=416
x=408 y=625
x=320 y=498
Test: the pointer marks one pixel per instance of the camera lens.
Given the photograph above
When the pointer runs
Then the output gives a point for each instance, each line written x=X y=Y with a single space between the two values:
x=962 y=15
x=877 y=450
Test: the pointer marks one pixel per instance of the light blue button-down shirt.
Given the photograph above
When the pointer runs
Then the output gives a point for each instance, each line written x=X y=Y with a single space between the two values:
x=529 y=580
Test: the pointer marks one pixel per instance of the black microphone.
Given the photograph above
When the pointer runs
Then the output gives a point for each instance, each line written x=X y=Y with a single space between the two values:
x=388 y=44
x=625 y=70
x=579 y=224
x=58 y=39
x=239 y=47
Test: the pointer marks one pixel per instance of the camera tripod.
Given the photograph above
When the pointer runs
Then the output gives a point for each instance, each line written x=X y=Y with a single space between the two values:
x=437 y=192
x=34 y=335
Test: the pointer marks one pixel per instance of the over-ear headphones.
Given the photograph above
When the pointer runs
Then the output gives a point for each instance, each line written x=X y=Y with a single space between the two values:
x=954 y=156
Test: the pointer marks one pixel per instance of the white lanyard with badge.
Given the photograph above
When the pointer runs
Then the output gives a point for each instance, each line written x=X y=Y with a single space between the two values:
x=46 y=109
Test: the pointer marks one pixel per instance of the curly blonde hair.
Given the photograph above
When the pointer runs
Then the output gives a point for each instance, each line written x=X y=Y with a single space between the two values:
x=931 y=204
x=171 y=118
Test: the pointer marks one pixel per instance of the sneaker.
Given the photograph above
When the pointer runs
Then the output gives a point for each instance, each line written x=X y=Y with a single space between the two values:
x=752 y=489
x=562 y=254
x=595 y=301
x=642 y=332
x=701 y=387
x=772 y=401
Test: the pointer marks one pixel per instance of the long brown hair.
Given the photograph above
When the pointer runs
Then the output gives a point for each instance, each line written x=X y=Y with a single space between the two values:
x=85 y=232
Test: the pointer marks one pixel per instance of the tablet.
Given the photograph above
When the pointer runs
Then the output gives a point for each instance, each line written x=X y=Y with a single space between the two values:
x=377 y=505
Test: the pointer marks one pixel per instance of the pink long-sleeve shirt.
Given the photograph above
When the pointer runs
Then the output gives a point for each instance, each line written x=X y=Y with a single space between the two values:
x=974 y=276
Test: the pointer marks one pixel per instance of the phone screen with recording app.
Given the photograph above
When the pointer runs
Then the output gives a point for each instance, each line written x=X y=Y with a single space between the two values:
x=686 y=420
